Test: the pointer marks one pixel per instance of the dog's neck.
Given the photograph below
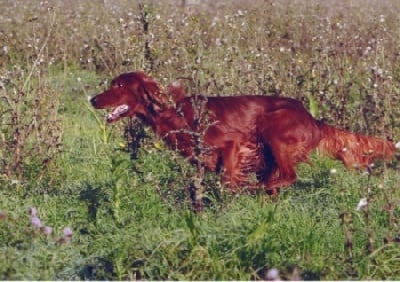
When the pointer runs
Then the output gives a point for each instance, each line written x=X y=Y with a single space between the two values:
x=167 y=119
x=172 y=126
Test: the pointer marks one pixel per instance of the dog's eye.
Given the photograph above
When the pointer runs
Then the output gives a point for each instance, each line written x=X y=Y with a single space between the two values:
x=117 y=85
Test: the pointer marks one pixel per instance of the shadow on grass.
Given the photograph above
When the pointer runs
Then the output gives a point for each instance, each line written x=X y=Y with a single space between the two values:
x=98 y=269
x=318 y=179
x=93 y=196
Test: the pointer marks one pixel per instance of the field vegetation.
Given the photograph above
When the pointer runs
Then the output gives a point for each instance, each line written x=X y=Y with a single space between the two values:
x=80 y=199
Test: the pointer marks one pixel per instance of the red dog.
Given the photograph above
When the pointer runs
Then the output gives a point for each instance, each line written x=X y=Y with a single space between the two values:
x=241 y=135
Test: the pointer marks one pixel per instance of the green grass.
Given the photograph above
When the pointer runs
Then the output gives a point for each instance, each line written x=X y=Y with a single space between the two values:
x=131 y=218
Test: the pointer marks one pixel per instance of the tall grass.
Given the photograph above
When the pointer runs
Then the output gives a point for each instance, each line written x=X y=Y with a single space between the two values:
x=126 y=197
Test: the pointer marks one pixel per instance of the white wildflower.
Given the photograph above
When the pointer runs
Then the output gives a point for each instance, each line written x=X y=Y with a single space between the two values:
x=362 y=203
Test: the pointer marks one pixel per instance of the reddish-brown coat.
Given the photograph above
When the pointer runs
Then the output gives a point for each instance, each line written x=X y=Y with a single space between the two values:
x=240 y=135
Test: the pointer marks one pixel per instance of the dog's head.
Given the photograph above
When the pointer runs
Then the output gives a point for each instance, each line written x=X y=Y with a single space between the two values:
x=130 y=94
x=136 y=94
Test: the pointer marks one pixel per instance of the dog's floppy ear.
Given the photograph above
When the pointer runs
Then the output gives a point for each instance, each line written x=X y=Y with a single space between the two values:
x=154 y=97
x=152 y=94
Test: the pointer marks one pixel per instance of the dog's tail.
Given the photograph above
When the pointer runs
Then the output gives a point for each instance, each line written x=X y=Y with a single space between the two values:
x=354 y=150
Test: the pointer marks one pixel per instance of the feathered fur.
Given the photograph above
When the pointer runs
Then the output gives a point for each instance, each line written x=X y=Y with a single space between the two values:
x=238 y=135
x=354 y=150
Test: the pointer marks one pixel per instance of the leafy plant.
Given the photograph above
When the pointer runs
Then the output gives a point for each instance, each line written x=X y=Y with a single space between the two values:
x=128 y=208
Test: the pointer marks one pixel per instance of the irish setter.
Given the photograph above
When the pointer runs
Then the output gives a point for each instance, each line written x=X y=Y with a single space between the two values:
x=240 y=136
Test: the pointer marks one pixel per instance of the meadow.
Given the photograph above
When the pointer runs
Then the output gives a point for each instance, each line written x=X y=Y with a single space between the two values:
x=82 y=200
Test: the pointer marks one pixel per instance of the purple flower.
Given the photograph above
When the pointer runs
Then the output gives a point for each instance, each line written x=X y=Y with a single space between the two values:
x=3 y=216
x=47 y=230
x=32 y=211
x=67 y=236
x=36 y=222
x=273 y=275
x=67 y=232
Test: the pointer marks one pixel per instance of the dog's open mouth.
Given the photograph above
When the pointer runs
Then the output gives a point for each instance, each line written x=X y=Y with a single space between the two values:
x=117 y=113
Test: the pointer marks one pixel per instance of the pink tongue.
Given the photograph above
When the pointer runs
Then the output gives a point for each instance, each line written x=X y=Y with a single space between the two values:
x=117 y=112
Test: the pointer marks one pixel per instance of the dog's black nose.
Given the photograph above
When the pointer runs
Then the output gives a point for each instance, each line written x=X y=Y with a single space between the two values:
x=93 y=101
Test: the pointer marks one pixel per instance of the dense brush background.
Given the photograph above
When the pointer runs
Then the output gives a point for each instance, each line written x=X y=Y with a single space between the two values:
x=125 y=196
